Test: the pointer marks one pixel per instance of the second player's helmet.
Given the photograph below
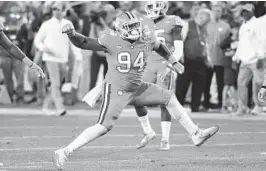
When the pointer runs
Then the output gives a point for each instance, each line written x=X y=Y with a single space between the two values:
x=128 y=26
x=156 y=8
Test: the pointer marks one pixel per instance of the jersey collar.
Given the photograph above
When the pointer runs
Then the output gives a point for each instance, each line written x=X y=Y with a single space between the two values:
x=160 y=18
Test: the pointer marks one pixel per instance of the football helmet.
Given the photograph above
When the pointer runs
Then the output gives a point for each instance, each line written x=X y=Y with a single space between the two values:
x=156 y=8
x=128 y=26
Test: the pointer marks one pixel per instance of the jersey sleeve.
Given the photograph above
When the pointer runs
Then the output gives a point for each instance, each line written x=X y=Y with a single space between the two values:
x=103 y=37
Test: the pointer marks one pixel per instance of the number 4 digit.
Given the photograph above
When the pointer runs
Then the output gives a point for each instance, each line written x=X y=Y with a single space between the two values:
x=139 y=62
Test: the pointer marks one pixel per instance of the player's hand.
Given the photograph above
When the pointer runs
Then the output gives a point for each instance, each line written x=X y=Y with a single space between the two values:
x=262 y=95
x=69 y=29
x=37 y=70
x=236 y=59
x=179 y=68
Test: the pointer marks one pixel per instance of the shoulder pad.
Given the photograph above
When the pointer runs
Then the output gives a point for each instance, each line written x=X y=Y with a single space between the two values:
x=108 y=32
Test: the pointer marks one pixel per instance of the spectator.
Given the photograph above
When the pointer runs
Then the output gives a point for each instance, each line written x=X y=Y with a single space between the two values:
x=230 y=72
x=217 y=31
x=25 y=38
x=55 y=47
x=126 y=5
x=194 y=11
x=195 y=59
x=10 y=65
x=248 y=53
x=39 y=87
x=139 y=8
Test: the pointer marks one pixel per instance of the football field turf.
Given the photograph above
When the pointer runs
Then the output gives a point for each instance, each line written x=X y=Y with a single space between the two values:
x=27 y=144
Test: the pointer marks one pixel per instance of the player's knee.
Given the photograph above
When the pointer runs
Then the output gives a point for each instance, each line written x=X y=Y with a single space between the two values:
x=171 y=96
x=165 y=116
x=109 y=122
x=108 y=126
x=141 y=111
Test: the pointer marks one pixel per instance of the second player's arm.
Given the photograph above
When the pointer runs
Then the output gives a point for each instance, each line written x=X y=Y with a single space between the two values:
x=13 y=50
x=10 y=47
x=163 y=51
x=16 y=53
x=87 y=43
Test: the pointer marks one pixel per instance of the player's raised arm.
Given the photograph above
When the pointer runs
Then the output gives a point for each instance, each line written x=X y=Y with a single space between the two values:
x=163 y=51
x=13 y=50
x=80 y=40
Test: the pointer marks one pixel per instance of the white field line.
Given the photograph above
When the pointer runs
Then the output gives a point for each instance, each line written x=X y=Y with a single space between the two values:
x=41 y=164
x=118 y=135
x=77 y=127
x=22 y=167
x=126 y=113
x=128 y=146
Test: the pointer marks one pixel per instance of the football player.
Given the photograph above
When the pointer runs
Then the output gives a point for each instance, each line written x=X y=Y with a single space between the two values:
x=17 y=53
x=127 y=50
x=168 y=30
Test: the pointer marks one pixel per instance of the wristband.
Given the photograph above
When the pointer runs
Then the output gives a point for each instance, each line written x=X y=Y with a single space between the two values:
x=27 y=61
x=174 y=63
x=172 y=60
x=263 y=87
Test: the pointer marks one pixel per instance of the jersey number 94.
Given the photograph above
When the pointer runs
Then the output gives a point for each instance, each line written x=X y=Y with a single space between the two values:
x=124 y=58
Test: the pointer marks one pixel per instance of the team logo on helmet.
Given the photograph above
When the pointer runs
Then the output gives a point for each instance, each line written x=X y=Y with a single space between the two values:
x=156 y=8
x=128 y=26
x=146 y=33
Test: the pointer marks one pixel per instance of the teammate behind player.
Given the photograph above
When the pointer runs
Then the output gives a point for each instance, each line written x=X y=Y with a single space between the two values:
x=127 y=49
x=168 y=30
x=17 y=53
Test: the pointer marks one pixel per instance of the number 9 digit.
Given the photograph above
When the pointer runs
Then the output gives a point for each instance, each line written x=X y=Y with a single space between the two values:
x=124 y=58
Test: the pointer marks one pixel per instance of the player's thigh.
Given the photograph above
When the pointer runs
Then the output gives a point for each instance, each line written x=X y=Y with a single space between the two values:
x=114 y=101
x=150 y=73
x=151 y=94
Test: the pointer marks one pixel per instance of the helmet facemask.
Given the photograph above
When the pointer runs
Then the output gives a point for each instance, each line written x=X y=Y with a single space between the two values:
x=129 y=30
x=154 y=9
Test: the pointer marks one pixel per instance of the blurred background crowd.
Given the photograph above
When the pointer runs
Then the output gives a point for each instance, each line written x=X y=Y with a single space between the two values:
x=82 y=71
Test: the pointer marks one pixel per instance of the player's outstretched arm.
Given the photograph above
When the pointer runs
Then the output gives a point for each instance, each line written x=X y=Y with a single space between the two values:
x=163 y=51
x=13 y=50
x=80 y=40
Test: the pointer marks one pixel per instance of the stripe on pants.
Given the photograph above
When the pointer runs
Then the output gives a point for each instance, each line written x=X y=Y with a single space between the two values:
x=105 y=103
x=171 y=80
